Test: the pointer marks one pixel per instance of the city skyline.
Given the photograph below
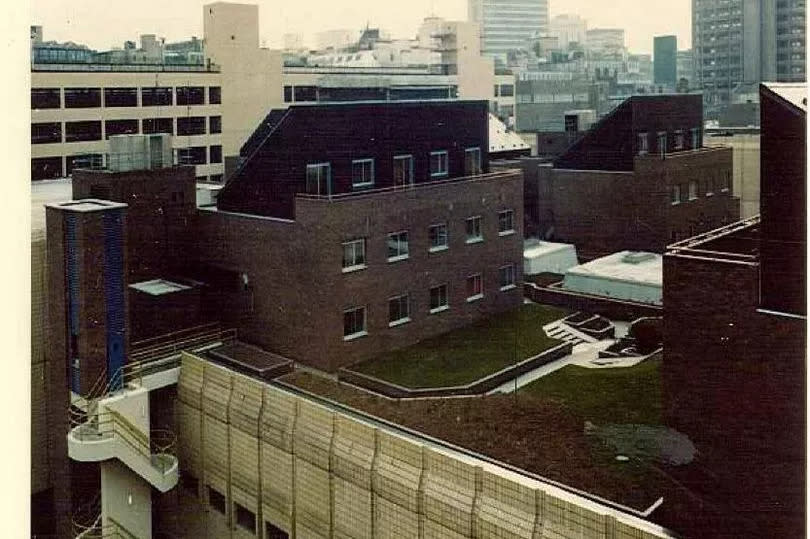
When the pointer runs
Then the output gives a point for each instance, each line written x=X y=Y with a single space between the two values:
x=178 y=20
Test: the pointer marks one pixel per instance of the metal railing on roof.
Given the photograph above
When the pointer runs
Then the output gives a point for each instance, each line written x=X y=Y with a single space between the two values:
x=691 y=246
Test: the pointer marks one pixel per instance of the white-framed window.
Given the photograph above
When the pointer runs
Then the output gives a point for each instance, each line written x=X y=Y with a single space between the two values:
x=472 y=161
x=354 y=255
x=397 y=246
x=438 y=237
x=676 y=194
x=319 y=179
x=643 y=144
x=726 y=182
x=438 y=299
x=679 y=140
x=662 y=143
x=398 y=310
x=474 y=234
x=506 y=222
x=403 y=170
x=475 y=287
x=506 y=277
x=696 y=142
x=438 y=164
x=693 y=190
x=354 y=323
x=362 y=173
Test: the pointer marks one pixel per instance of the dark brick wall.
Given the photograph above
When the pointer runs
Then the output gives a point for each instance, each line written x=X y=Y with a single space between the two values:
x=297 y=291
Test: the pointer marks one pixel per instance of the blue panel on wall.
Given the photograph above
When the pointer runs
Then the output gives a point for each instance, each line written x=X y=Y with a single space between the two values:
x=114 y=296
x=72 y=270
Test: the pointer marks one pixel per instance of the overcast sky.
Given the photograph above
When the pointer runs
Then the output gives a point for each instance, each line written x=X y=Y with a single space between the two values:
x=102 y=24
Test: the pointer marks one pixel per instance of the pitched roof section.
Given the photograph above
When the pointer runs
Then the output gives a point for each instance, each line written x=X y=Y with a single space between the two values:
x=794 y=94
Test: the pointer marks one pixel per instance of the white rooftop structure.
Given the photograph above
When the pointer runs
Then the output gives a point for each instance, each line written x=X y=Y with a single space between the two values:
x=793 y=92
x=547 y=257
x=627 y=275
x=503 y=140
x=158 y=287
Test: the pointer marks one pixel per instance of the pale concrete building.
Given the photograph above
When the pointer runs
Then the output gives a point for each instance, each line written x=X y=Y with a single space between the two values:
x=605 y=40
x=506 y=25
x=746 y=147
x=569 y=29
x=334 y=39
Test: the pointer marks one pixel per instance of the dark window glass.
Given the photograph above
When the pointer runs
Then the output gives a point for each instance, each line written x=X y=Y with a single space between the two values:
x=245 y=518
x=305 y=93
x=216 y=154
x=274 y=532
x=46 y=168
x=215 y=124
x=192 y=156
x=120 y=97
x=82 y=98
x=288 y=94
x=120 y=127
x=82 y=131
x=43 y=133
x=214 y=95
x=507 y=90
x=190 y=95
x=216 y=500
x=87 y=160
x=194 y=125
x=216 y=178
x=158 y=125
x=156 y=97
x=45 y=98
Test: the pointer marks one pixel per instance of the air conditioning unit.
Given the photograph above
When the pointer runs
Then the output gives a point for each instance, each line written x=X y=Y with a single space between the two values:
x=140 y=152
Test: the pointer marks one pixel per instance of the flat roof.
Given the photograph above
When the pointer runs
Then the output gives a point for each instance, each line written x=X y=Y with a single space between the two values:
x=86 y=205
x=159 y=287
x=532 y=249
x=250 y=359
x=47 y=192
x=627 y=266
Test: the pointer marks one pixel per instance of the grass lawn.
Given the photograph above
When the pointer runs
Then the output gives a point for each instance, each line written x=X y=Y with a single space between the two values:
x=467 y=354
x=621 y=395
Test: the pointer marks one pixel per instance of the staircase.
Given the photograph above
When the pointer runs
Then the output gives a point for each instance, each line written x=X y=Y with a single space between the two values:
x=564 y=332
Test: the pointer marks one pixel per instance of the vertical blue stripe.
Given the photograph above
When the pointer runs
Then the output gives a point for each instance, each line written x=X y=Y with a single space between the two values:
x=72 y=263
x=114 y=295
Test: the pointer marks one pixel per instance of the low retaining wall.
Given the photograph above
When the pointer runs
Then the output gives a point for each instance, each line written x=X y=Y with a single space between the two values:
x=607 y=307
x=477 y=387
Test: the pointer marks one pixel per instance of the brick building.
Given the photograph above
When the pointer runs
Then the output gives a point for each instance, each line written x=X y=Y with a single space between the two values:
x=639 y=179
x=735 y=344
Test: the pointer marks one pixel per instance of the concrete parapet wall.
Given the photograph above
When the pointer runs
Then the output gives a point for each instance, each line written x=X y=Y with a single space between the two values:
x=506 y=510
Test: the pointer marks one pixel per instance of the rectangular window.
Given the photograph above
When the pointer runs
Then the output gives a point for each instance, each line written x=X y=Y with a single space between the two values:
x=319 y=179
x=507 y=90
x=354 y=323
x=693 y=190
x=403 y=170
x=245 y=518
x=684 y=188
x=305 y=93
x=709 y=186
x=156 y=97
x=474 y=234
x=88 y=160
x=215 y=124
x=46 y=168
x=397 y=246
x=215 y=154
x=153 y=126
x=196 y=155
x=288 y=94
x=662 y=144
x=120 y=97
x=438 y=299
x=643 y=144
x=216 y=500
x=45 y=133
x=475 y=287
x=438 y=237
x=191 y=125
x=45 y=98
x=472 y=161
x=696 y=139
x=679 y=143
x=506 y=276
x=354 y=255
x=398 y=310
x=82 y=98
x=190 y=95
x=438 y=164
x=120 y=127
x=214 y=95
x=506 y=222
x=676 y=194
x=82 y=131
x=362 y=173
x=726 y=182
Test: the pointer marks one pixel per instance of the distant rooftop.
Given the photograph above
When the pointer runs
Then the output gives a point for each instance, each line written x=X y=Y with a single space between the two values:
x=794 y=93
x=625 y=266
x=159 y=287
x=503 y=140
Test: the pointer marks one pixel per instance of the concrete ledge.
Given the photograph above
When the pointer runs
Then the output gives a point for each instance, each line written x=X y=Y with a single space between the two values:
x=608 y=307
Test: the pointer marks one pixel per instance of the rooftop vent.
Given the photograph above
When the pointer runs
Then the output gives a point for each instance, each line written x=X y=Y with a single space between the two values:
x=637 y=257
x=140 y=152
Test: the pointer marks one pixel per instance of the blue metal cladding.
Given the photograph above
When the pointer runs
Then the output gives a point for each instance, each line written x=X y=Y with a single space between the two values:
x=114 y=296
x=72 y=270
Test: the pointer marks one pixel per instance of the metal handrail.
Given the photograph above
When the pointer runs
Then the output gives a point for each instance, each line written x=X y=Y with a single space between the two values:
x=211 y=325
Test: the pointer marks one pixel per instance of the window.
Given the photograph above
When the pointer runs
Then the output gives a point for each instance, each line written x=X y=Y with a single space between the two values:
x=191 y=125
x=82 y=98
x=397 y=246
x=46 y=98
x=195 y=155
x=693 y=190
x=506 y=276
x=438 y=164
x=506 y=220
x=643 y=144
x=474 y=230
x=709 y=186
x=696 y=139
x=152 y=126
x=354 y=323
x=215 y=124
x=438 y=237
x=245 y=518
x=475 y=287
x=156 y=97
x=507 y=90
x=305 y=93
x=46 y=168
x=190 y=95
x=82 y=131
x=44 y=133
x=120 y=97
x=684 y=188
x=319 y=179
x=216 y=500
x=676 y=194
x=214 y=95
x=398 y=311
x=662 y=144
x=120 y=127
x=403 y=170
x=87 y=160
x=288 y=94
x=472 y=161
x=679 y=144
x=215 y=154
x=274 y=532
x=354 y=255
x=362 y=173
x=438 y=299
x=726 y=182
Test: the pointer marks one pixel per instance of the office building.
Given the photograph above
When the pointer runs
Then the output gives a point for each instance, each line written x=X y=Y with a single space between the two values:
x=506 y=25
x=568 y=29
x=604 y=40
x=334 y=39
x=685 y=69
x=665 y=58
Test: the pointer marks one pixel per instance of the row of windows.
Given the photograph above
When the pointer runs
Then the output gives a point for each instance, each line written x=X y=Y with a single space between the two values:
x=693 y=189
x=662 y=141
x=398 y=245
x=399 y=307
x=298 y=94
x=319 y=175
x=83 y=98
x=87 y=130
